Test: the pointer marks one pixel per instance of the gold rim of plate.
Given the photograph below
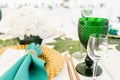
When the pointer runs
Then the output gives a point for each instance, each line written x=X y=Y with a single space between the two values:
x=54 y=60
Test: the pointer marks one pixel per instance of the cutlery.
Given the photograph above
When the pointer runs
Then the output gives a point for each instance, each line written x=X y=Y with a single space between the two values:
x=69 y=59
x=68 y=67
x=73 y=67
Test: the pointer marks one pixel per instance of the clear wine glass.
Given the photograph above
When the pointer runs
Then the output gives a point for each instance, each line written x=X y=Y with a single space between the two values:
x=88 y=8
x=87 y=11
x=97 y=50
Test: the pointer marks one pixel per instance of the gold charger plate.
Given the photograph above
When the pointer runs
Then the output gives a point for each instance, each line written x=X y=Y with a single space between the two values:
x=54 y=60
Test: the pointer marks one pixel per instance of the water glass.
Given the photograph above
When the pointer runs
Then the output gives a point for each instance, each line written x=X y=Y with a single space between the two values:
x=97 y=49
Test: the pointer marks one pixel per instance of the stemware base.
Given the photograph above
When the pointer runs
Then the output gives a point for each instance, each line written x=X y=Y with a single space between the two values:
x=82 y=69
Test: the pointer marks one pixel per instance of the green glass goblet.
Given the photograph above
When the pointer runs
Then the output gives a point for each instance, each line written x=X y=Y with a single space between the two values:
x=86 y=27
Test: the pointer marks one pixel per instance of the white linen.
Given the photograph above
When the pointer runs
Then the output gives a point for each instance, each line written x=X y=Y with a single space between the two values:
x=63 y=75
x=112 y=65
x=8 y=58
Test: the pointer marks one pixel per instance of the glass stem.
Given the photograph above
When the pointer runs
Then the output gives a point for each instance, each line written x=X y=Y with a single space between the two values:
x=95 y=70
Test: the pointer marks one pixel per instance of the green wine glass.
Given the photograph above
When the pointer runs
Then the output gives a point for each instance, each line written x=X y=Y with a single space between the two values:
x=86 y=27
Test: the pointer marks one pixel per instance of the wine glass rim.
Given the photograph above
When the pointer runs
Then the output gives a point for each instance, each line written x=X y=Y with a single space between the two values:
x=99 y=36
x=93 y=21
x=93 y=18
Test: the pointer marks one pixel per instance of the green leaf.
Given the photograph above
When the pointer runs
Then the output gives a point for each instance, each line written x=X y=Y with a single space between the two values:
x=72 y=46
x=118 y=47
x=9 y=42
x=113 y=41
x=67 y=44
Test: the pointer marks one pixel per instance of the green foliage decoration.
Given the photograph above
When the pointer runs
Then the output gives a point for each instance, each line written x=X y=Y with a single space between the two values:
x=72 y=46
x=67 y=44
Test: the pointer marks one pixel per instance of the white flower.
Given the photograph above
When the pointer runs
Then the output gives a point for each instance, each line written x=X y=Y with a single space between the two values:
x=29 y=20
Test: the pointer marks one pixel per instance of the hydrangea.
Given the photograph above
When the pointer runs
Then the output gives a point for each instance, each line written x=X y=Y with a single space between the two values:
x=29 y=21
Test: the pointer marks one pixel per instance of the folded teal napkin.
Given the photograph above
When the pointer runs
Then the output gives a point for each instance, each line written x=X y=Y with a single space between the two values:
x=29 y=67
x=113 y=31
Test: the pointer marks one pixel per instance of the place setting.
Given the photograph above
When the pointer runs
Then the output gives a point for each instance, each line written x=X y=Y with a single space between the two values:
x=38 y=48
x=22 y=54
x=13 y=57
x=89 y=27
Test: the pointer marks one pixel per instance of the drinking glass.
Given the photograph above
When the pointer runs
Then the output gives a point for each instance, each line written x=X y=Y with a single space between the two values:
x=86 y=27
x=87 y=10
x=97 y=49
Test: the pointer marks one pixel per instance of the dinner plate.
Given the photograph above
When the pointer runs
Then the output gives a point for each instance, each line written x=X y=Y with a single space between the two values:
x=54 y=60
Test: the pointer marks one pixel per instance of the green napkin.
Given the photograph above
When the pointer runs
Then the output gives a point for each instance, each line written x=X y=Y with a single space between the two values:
x=29 y=67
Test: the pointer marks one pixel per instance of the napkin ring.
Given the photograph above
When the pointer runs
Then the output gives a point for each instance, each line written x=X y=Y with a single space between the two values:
x=31 y=51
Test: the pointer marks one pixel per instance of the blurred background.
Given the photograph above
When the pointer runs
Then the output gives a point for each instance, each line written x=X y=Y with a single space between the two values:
x=54 y=15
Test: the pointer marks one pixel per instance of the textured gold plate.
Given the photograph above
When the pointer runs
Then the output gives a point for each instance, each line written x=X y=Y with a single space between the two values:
x=54 y=60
